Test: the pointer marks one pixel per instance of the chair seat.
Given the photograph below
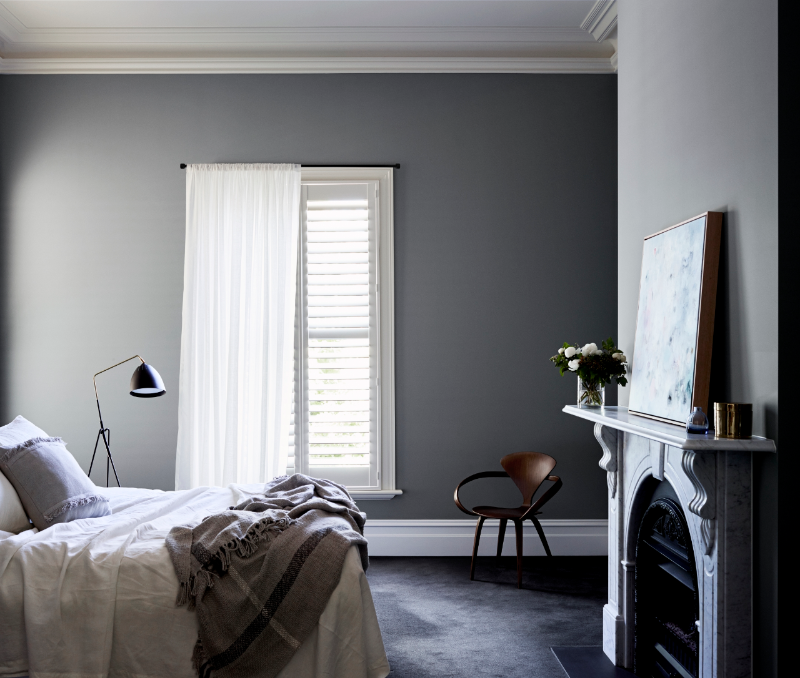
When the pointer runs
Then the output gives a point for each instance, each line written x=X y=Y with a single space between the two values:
x=502 y=512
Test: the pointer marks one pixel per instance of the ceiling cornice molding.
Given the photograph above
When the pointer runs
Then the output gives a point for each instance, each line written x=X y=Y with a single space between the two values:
x=307 y=65
x=254 y=33
x=76 y=42
x=8 y=33
x=601 y=19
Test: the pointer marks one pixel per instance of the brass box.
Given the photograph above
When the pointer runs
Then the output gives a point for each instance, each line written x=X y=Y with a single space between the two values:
x=733 y=420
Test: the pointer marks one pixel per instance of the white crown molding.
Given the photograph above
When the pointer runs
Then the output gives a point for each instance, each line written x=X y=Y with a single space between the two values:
x=455 y=537
x=79 y=41
x=601 y=19
x=403 y=64
x=281 y=34
x=9 y=32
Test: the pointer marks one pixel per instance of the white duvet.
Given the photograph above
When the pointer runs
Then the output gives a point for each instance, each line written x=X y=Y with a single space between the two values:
x=96 y=597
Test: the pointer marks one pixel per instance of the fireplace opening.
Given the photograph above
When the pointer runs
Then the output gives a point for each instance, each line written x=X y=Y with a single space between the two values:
x=666 y=608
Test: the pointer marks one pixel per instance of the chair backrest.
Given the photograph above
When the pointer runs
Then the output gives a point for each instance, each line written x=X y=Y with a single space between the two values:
x=528 y=470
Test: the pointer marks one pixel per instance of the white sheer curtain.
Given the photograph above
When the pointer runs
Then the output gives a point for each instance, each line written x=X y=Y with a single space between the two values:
x=237 y=341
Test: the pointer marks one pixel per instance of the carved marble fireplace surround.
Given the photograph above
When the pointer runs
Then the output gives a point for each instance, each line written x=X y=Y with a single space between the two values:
x=713 y=479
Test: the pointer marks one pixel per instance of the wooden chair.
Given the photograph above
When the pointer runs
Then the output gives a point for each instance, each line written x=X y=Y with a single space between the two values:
x=528 y=470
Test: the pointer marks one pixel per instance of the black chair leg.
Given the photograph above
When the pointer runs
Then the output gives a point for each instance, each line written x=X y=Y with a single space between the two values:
x=478 y=529
x=518 y=529
x=501 y=535
x=539 y=529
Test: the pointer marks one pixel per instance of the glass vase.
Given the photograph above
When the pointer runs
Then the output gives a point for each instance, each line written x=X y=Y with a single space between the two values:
x=697 y=421
x=590 y=394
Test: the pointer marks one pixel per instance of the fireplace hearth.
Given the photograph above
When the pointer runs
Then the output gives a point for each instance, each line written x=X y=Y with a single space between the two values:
x=679 y=547
x=666 y=610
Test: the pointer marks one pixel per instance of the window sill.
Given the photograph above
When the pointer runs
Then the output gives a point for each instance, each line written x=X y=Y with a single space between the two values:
x=375 y=495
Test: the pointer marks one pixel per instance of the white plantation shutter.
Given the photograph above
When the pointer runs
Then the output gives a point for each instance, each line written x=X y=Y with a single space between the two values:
x=343 y=419
x=338 y=395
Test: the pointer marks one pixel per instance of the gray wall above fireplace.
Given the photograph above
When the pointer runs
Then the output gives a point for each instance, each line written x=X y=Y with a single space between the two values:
x=698 y=130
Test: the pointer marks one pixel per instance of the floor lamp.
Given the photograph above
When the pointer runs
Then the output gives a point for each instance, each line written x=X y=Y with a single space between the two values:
x=145 y=383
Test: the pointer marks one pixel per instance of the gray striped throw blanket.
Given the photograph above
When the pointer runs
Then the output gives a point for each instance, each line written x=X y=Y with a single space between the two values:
x=261 y=573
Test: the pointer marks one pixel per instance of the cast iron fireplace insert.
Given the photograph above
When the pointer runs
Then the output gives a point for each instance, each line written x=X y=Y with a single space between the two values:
x=666 y=604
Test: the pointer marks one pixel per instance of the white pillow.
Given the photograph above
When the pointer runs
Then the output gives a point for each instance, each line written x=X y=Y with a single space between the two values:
x=12 y=515
x=18 y=431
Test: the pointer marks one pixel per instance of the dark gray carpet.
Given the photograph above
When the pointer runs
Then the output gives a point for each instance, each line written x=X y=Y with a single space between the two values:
x=436 y=623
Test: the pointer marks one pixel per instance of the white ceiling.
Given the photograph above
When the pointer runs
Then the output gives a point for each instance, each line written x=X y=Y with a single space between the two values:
x=53 y=36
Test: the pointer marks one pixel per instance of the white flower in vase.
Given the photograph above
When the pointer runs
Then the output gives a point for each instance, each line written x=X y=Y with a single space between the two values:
x=574 y=364
x=561 y=351
x=571 y=351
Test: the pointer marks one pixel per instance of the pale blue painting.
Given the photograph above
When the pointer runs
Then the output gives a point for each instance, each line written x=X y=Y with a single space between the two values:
x=662 y=376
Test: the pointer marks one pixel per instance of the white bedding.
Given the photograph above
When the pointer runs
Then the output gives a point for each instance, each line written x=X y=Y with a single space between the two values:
x=96 y=597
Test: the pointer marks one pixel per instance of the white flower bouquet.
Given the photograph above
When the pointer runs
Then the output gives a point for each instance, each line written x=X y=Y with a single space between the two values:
x=594 y=366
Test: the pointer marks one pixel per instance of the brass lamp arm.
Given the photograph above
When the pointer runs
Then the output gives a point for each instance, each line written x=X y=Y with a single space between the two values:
x=94 y=378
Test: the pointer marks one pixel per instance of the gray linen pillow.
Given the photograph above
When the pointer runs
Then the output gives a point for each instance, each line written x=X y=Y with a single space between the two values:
x=51 y=485
x=12 y=514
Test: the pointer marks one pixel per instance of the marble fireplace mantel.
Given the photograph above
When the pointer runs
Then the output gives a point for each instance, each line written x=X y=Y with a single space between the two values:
x=712 y=478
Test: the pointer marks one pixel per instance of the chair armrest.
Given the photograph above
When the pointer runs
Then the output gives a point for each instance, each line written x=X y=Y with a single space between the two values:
x=483 y=474
x=547 y=496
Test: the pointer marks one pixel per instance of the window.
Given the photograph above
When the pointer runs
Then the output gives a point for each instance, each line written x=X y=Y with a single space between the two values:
x=343 y=417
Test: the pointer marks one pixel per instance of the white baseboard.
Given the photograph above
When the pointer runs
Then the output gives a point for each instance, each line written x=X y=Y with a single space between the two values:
x=454 y=538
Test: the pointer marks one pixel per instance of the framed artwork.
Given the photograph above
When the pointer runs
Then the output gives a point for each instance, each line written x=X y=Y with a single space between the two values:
x=675 y=320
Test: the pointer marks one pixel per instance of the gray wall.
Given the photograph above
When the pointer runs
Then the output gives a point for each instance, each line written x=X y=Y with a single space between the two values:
x=505 y=247
x=698 y=130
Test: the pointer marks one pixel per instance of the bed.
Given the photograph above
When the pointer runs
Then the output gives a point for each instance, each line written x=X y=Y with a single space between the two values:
x=96 y=597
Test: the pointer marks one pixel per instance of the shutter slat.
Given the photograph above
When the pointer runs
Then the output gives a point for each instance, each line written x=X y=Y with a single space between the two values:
x=317 y=226
x=331 y=300
x=335 y=362
x=330 y=204
x=338 y=258
x=338 y=352
x=338 y=269
x=361 y=321
x=338 y=236
x=340 y=417
x=338 y=290
x=347 y=373
x=337 y=311
x=335 y=247
x=317 y=406
x=341 y=333
x=335 y=382
x=337 y=215
x=339 y=280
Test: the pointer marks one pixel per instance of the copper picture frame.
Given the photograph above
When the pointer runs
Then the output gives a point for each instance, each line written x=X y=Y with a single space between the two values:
x=671 y=367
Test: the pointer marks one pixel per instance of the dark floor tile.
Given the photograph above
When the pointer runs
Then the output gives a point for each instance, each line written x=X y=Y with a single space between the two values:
x=588 y=662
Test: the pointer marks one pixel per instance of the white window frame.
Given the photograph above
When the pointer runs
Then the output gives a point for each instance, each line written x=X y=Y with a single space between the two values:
x=386 y=478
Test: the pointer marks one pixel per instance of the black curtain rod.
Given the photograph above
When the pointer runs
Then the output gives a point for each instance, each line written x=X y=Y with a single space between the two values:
x=395 y=165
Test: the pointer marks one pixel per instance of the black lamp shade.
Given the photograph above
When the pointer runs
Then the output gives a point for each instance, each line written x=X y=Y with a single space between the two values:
x=146 y=382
